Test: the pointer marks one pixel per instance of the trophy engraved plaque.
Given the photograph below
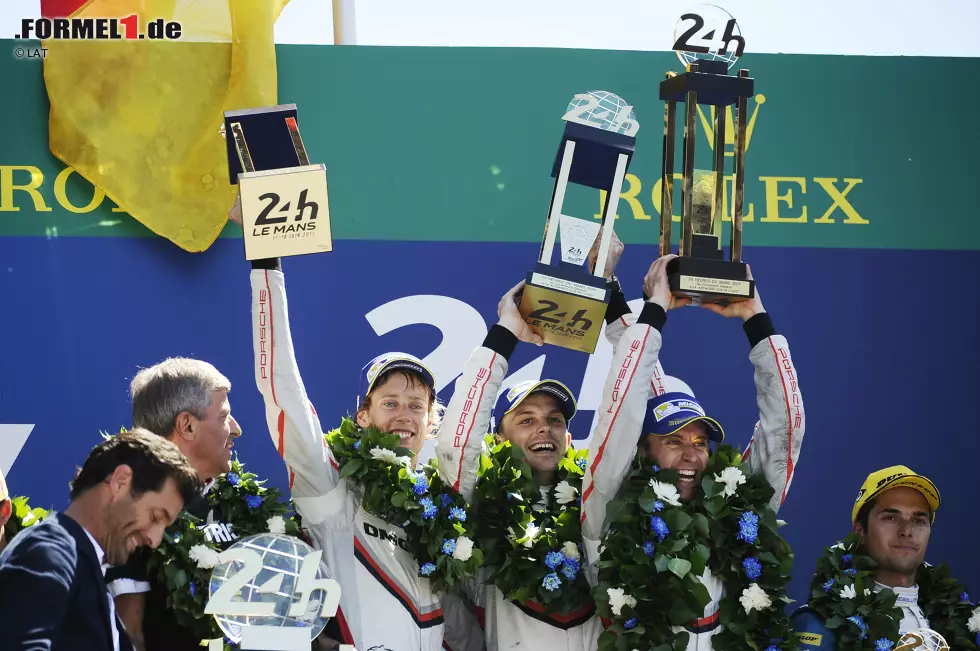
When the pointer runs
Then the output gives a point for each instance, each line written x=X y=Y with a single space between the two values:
x=563 y=302
x=285 y=208
x=701 y=271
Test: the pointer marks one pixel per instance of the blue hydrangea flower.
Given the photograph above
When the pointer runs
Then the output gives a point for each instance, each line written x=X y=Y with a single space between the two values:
x=658 y=506
x=193 y=589
x=851 y=571
x=965 y=597
x=570 y=570
x=829 y=584
x=427 y=569
x=753 y=568
x=445 y=500
x=429 y=509
x=421 y=485
x=883 y=644
x=457 y=513
x=846 y=559
x=659 y=527
x=655 y=468
x=554 y=559
x=630 y=623
x=448 y=546
x=357 y=444
x=233 y=478
x=748 y=527
x=648 y=548
x=551 y=582
x=253 y=501
x=857 y=621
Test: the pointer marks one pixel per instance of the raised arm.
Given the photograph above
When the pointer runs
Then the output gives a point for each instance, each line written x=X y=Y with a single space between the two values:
x=778 y=435
x=621 y=412
x=467 y=417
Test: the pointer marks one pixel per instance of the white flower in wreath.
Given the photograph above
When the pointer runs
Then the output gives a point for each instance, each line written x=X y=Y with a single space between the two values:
x=754 y=598
x=618 y=598
x=276 y=524
x=389 y=456
x=974 y=622
x=203 y=556
x=565 y=492
x=848 y=592
x=530 y=534
x=731 y=477
x=464 y=549
x=570 y=550
x=666 y=492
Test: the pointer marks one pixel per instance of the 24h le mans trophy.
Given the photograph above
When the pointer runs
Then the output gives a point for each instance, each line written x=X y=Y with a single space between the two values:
x=563 y=302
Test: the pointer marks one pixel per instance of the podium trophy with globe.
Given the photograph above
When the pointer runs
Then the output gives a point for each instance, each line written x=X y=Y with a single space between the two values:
x=270 y=592
x=563 y=302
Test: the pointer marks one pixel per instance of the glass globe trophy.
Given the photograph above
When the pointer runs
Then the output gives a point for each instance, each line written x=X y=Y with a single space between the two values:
x=922 y=639
x=270 y=592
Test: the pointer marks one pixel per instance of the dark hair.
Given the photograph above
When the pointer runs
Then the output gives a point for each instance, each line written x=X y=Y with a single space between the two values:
x=153 y=459
x=864 y=514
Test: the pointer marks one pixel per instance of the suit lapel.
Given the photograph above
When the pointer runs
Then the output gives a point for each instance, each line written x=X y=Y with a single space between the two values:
x=90 y=560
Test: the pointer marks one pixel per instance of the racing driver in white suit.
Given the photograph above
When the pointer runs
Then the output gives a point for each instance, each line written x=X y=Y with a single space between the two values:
x=773 y=450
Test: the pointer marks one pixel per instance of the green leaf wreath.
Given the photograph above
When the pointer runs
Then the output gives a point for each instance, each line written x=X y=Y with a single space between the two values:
x=22 y=516
x=433 y=515
x=656 y=549
x=843 y=594
x=533 y=553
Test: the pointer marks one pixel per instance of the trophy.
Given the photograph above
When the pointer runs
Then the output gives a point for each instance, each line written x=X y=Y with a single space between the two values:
x=701 y=271
x=563 y=302
x=285 y=208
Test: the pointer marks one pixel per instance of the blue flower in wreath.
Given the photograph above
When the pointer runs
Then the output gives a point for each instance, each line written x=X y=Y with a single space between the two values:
x=233 y=478
x=445 y=500
x=570 y=569
x=655 y=468
x=448 y=546
x=421 y=485
x=829 y=584
x=883 y=644
x=648 y=548
x=851 y=571
x=551 y=582
x=193 y=589
x=857 y=621
x=582 y=463
x=748 y=527
x=846 y=559
x=659 y=527
x=253 y=501
x=427 y=569
x=658 y=506
x=357 y=444
x=965 y=597
x=429 y=509
x=456 y=513
x=630 y=623
x=753 y=568
x=978 y=639
x=772 y=647
x=554 y=559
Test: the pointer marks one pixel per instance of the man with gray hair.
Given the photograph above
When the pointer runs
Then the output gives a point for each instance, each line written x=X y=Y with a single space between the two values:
x=185 y=401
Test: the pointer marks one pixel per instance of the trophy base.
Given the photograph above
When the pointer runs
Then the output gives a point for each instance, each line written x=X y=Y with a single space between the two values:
x=565 y=307
x=710 y=281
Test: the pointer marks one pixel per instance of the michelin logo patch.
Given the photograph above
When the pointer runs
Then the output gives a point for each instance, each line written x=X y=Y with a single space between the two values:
x=674 y=406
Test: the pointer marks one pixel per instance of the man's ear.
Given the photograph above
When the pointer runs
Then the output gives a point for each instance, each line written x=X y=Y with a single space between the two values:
x=859 y=530
x=362 y=418
x=184 y=426
x=120 y=481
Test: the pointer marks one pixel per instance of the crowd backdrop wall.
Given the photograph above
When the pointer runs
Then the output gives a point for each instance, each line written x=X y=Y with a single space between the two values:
x=859 y=230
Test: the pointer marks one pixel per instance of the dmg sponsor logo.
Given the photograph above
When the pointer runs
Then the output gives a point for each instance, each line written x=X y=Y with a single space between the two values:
x=788 y=199
x=381 y=534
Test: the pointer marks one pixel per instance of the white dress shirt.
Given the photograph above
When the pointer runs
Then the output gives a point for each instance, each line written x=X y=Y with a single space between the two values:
x=112 y=605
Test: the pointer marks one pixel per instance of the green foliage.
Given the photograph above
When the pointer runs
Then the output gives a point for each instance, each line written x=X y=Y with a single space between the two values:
x=508 y=502
x=657 y=548
x=22 y=516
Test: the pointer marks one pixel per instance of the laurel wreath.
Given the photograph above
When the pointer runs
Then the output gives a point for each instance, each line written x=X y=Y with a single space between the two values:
x=657 y=547
x=432 y=514
x=843 y=594
x=532 y=550
x=22 y=516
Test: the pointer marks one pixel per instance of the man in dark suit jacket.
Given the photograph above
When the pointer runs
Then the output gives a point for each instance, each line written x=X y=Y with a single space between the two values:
x=53 y=594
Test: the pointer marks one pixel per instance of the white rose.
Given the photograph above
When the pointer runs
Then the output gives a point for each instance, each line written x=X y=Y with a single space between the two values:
x=754 y=598
x=570 y=550
x=848 y=592
x=618 y=598
x=974 y=622
x=565 y=492
x=666 y=492
x=731 y=477
x=464 y=549
x=276 y=524
x=203 y=556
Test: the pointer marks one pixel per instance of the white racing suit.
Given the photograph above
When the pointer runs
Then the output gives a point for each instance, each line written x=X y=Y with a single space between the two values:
x=384 y=605
x=507 y=625
x=635 y=377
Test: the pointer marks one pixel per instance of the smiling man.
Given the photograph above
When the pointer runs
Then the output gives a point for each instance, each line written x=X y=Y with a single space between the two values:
x=186 y=402
x=893 y=518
